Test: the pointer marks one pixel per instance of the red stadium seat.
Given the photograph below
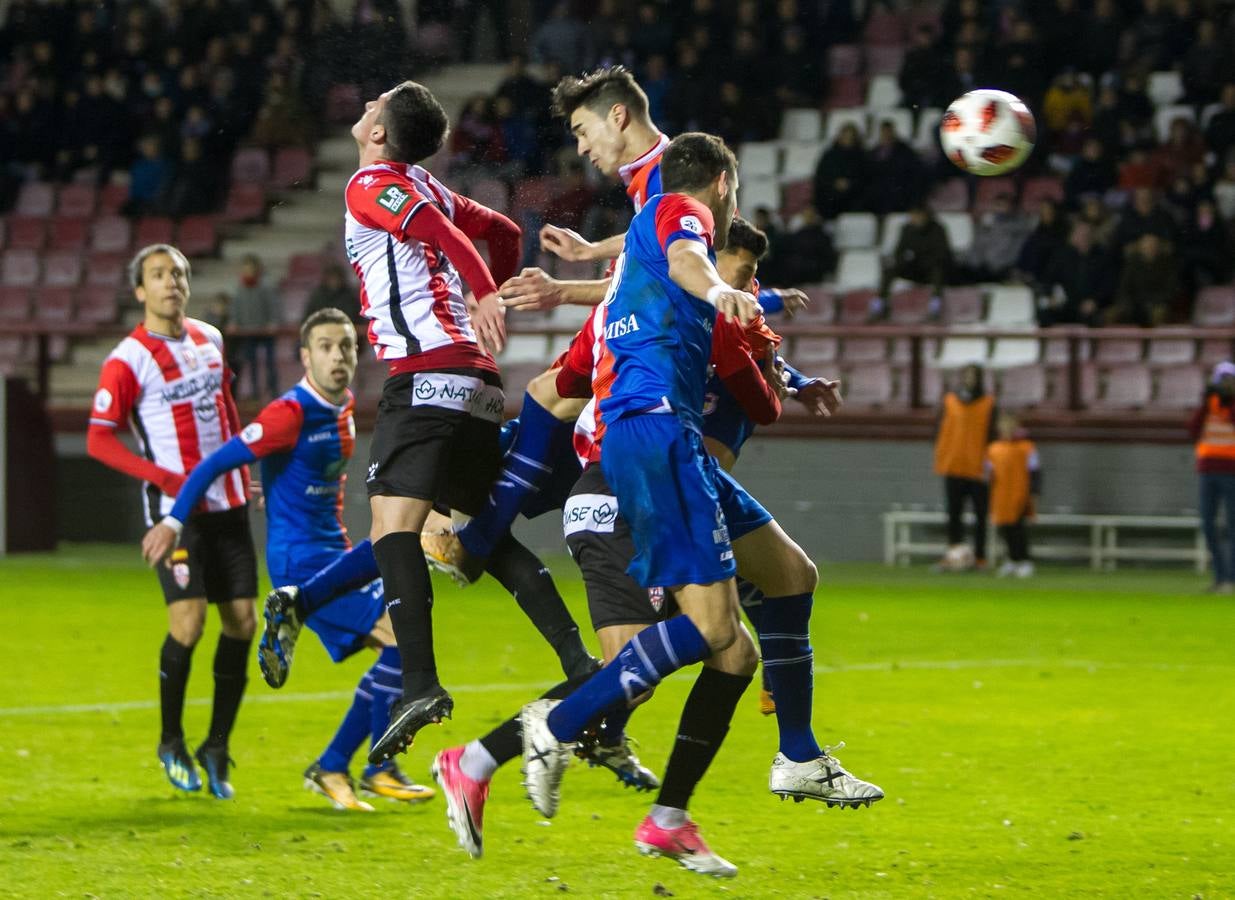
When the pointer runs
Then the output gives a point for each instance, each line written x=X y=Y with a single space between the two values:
x=962 y=305
x=1215 y=350
x=111 y=234
x=62 y=269
x=844 y=59
x=491 y=193
x=107 y=270
x=1170 y=351
x=911 y=307
x=1117 y=350
x=951 y=196
x=855 y=307
x=1179 y=387
x=1124 y=387
x=68 y=233
x=27 y=233
x=305 y=268
x=36 y=198
x=884 y=59
x=77 y=200
x=846 y=92
x=1036 y=190
x=198 y=236
x=1215 y=306
x=54 y=304
x=251 y=165
x=902 y=350
x=867 y=385
x=97 y=305
x=154 y=230
x=19 y=268
x=820 y=308
x=14 y=304
x=293 y=167
x=809 y=351
x=1055 y=351
x=1022 y=386
x=864 y=350
x=932 y=385
x=113 y=198
x=796 y=196
x=245 y=203
x=988 y=190
x=1057 y=388
x=293 y=298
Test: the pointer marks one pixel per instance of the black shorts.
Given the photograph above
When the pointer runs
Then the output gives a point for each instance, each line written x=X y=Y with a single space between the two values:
x=214 y=559
x=599 y=540
x=436 y=438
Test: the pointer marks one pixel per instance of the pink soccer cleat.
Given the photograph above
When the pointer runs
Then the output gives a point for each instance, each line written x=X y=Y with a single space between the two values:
x=465 y=800
x=684 y=844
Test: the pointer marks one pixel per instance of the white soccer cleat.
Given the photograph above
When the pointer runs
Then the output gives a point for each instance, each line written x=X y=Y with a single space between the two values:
x=544 y=757
x=823 y=779
x=1006 y=568
x=1024 y=569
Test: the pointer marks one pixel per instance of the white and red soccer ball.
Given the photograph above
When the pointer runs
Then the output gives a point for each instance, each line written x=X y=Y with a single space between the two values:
x=987 y=132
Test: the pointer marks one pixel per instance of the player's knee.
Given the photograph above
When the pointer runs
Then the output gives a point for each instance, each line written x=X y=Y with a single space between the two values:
x=543 y=389
x=719 y=634
x=187 y=631
x=806 y=573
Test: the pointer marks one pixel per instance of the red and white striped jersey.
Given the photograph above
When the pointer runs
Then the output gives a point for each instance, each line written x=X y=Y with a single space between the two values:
x=410 y=292
x=587 y=365
x=171 y=392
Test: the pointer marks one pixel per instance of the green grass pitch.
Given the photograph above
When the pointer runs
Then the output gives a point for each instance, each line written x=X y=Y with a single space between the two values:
x=1071 y=736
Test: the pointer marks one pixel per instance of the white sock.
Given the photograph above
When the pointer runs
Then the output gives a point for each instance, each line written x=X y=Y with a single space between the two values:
x=668 y=816
x=477 y=763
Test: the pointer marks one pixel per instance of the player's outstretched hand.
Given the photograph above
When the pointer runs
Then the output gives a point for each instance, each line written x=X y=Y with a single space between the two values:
x=489 y=324
x=820 y=396
x=566 y=244
x=158 y=544
x=735 y=304
x=775 y=375
x=795 y=301
x=532 y=290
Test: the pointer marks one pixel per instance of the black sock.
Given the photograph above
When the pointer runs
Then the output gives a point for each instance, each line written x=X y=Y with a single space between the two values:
x=174 y=660
x=231 y=666
x=409 y=600
x=505 y=742
x=705 y=722
x=522 y=573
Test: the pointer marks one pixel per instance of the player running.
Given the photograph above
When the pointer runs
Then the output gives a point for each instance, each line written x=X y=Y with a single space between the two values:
x=169 y=382
x=304 y=440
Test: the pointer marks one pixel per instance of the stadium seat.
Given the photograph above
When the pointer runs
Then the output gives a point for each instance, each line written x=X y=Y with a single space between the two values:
x=569 y=315
x=891 y=232
x=78 y=200
x=867 y=385
x=250 y=165
x=305 y=268
x=884 y=93
x=800 y=159
x=1044 y=187
x=901 y=120
x=813 y=351
x=54 y=304
x=1009 y=353
x=293 y=167
x=902 y=350
x=951 y=196
x=111 y=234
x=795 y=196
x=19 y=268
x=106 y=270
x=68 y=233
x=864 y=350
x=1210 y=110
x=343 y=103
x=988 y=190
x=759 y=158
x=13 y=352
x=293 y=298
x=883 y=27
x=1164 y=116
x=1055 y=351
x=491 y=193
x=27 y=233
x=955 y=352
x=962 y=305
x=62 y=268
x=844 y=60
x=839 y=118
x=198 y=236
x=931 y=388
x=1179 y=387
x=1214 y=351
x=1215 y=306
x=884 y=59
x=35 y=198
x=821 y=308
x=926 y=130
x=959 y=226
x=1165 y=88
x=1022 y=386
x=855 y=306
x=1124 y=387
x=154 y=230
x=1010 y=306
x=1111 y=351
x=113 y=198
x=911 y=307
x=14 y=304
x=1057 y=387
x=245 y=203
x=516 y=375
x=858 y=269
x=855 y=231
x=846 y=92
x=802 y=125
x=759 y=193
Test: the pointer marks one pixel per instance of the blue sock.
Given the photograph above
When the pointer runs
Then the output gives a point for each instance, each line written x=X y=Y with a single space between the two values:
x=387 y=675
x=354 y=569
x=789 y=664
x=352 y=731
x=538 y=442
x=650 y=656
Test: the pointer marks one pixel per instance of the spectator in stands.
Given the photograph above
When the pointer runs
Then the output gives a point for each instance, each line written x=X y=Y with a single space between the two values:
x=1220 y=132
x=519 y=138
x=1224 y=189
x=528 y=96
x=923 y=254
x=1149 y=285
x=1079 y=282
x=652 y=33
x=1212 y=428
x=1150 y=30
x=1138 y=171
x=798 y=77
x=896 y=176
x=1098 y=49
x=149 y=178
x=1108 y=121
x=218 y=311
x=924 y=76
x=805 y=251
x=1067 y=103
x=963 y=78
x=966 y=427
x=281 y=120
x=334 y=291
x=997 y=242
x=195 y=187
x=1144 y=216
x=736 y=119
x=1205 y=248
x=1093 y=172
x=255 y=306
x=564 y=39
x=1100 y=219
x=841 y=175
x=476 y=142
x=1205 y=66
x=1184 y=148
x=1039 y=249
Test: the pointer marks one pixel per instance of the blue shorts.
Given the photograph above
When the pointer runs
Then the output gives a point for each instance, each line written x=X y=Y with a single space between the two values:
x=666 y=486
x=344 y=623
x=743 y=513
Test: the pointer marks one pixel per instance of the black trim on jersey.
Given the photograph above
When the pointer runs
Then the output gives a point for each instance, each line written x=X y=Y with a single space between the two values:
x=153 y=506
x=396 y=306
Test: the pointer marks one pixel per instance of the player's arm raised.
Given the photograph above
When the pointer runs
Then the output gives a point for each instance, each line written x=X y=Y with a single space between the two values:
x=693 y=272
x=574 y=247
x=536 y=290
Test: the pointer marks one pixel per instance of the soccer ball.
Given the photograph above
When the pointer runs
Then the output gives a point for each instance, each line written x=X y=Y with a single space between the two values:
x=958 y=558
x=987 y=132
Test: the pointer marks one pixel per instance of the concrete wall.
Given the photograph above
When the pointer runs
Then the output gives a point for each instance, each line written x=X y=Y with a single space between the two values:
x=827 y=494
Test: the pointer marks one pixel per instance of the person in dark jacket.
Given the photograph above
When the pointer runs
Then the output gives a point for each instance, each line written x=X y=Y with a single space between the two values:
x=923 y=254
x=840 y=177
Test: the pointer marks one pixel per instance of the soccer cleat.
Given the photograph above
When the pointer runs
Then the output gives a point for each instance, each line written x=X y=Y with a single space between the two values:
x=408 y=717
x=544 y=757
x=465 y=800
x=1024 y=569
x=1006 y=568
x=619 y=759
x=821 y=779
x=278 y=641
x=215 y=761
x=178 y=765
x=393 y=784
x=337 y=787
x=684 y=844
x=445 y=552
x=767 y=705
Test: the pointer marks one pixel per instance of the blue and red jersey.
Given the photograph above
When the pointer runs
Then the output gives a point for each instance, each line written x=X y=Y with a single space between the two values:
x=642 y=177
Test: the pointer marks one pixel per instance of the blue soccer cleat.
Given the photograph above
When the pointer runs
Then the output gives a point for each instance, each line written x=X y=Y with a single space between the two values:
x=178 y=766
x=215 y=761
x=278 y=640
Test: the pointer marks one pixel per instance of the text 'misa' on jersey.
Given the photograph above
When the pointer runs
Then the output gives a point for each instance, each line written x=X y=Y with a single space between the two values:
x=659 y=336
x=171 y=392
x=410 y=292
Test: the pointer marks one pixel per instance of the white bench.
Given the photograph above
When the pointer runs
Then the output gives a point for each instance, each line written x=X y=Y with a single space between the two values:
x=1101 y=546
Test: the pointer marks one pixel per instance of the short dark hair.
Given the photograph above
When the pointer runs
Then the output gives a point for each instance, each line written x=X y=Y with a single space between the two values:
x=745 y=236
x=599 y=90
x=138 y=261
x=416 y=125
x=693 y=160
x=326 y=316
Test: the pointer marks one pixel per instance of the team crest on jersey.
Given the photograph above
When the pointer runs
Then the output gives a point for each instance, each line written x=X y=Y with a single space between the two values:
x=252 y=433
x=367 y=180
x=190 y=356
x=102 y=400
x=691 y=223
x=205 y=409
x=393 y=198
x=656 y=596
